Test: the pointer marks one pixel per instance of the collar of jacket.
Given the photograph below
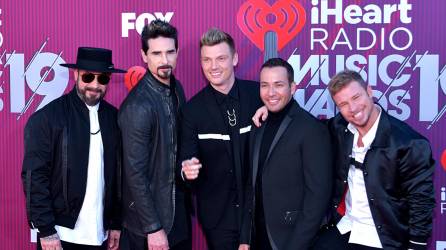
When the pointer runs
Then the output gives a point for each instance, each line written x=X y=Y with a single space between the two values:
x=159 y=86
x=382 y=133
x=79 y=105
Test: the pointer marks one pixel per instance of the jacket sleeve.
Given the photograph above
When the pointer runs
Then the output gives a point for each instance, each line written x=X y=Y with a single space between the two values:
x=36 y=174
x=417 y=168
x=317 y=162
x=136 y=127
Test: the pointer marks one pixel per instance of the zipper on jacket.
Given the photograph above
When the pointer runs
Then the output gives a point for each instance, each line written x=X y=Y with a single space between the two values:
x=172 y=157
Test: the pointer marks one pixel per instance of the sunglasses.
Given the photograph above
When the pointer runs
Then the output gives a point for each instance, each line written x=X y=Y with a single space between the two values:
x=103 y=78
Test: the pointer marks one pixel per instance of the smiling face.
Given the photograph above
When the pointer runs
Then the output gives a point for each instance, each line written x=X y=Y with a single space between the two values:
x=90 y=93
x=356 y=105
x=275 y=89
x=218 y=62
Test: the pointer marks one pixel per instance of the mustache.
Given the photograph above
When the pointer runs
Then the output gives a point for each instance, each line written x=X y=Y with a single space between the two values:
x=165 y=67
x=94 y=89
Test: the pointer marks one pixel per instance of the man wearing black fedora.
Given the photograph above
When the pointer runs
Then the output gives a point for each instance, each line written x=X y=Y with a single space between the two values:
x=71 y=161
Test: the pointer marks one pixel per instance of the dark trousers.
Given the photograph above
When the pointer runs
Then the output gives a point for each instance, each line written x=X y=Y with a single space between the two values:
x=331 y=239
x=222 y=239
x=72 y=246
x=226 y=234
x=131 y=241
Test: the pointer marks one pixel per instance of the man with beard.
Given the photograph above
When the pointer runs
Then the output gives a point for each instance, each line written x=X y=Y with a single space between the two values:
x=71 y=162
x=154 y=214
x=215 y=128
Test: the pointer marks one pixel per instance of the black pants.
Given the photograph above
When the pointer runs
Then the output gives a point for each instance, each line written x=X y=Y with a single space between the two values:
x=131 y=241
x=331 y=239
x=222 y=239
x=72 y=246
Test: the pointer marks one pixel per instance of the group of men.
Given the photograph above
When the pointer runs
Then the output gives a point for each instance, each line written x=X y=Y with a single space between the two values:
x=96 y=178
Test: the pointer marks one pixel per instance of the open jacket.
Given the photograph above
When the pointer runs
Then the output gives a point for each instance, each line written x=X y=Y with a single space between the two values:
x=55 y=163
x=398 y=170
x=148 y=121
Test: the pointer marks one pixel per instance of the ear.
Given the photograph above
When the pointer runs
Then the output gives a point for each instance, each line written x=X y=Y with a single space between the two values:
x=75 y=74
x=235 y=59
x=293 y=87
x=369 y=91
x=144 y=56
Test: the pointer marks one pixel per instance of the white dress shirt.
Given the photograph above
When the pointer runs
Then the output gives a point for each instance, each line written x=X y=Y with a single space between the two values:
x=89 y=229
x=358 y=217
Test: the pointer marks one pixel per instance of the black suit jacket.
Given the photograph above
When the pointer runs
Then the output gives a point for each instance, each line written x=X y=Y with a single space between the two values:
x=398 y=170
x=296 y=180
x=204 y=134
x=55 y=163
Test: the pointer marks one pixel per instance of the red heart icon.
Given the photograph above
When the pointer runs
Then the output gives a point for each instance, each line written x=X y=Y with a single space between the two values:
x=133 y=75
x=443 y=160
x=252 y=20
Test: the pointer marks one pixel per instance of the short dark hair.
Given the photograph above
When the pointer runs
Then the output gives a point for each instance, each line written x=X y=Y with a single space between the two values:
x=344 y=78
x=215 y=36
x=279 y=62
x=158 y=28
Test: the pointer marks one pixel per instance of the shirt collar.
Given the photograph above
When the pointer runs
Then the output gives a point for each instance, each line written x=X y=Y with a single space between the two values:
x=93 y=108
x=233 y=94
x=368 y=138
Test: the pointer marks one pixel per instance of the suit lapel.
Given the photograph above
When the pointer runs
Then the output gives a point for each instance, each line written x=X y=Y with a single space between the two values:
x=382 y=133
x=106 y=136
x=258 y=137
x=283 y=126
x=245 y=105
x=347 y=145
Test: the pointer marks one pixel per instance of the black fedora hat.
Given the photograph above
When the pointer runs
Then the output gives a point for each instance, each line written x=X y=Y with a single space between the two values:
x=94 y=59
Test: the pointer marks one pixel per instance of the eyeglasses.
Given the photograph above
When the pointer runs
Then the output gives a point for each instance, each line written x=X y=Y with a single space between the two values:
x=103 y=78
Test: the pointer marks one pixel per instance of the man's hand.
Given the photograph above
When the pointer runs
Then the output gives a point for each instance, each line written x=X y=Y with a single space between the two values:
x=243 y=247
x=191 y=168
x=51 y=242
x=260 y=116
x=157 y=241
x=113 y=239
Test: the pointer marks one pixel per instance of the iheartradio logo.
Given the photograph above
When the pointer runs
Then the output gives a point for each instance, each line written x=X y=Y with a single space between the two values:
x=285 y=18
x=133 y=75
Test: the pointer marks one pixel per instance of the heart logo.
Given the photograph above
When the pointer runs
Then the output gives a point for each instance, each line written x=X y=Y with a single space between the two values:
x=443 y=160
x=133 y=75
x=285 y=17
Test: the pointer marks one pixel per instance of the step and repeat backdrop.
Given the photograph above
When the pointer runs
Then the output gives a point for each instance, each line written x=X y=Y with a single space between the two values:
x=398 y=46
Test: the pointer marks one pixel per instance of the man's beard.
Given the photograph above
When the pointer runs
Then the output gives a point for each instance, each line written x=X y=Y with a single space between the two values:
x=90 y=101
x=164 y=74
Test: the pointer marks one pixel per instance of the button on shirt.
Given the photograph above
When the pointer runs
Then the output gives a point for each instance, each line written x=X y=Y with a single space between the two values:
x=89 y=229
x=358 y=217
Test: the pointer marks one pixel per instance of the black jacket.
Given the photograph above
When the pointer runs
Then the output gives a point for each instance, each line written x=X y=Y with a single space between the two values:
x=55 y=163
x=148 y=119
x=202 y=116
x=398 y=171
x=296 y=180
